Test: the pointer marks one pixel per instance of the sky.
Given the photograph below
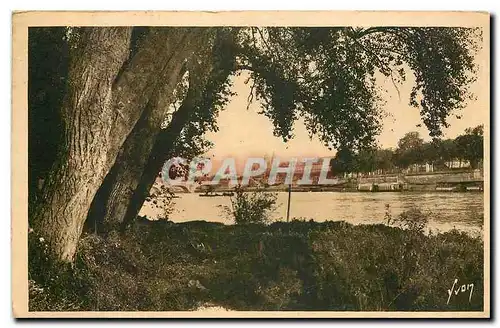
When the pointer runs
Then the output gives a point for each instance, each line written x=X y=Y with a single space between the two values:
x=244 y=133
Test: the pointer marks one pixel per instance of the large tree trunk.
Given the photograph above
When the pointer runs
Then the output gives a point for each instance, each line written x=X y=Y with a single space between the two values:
x=130 y=180
x=162 y=150
x=110 y=204
x=111 y=201
x=143 y=153
x=105 y=97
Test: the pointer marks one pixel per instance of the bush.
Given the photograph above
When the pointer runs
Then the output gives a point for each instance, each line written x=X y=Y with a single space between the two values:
x=251 y=207
x=376 y=268
x=413 y=219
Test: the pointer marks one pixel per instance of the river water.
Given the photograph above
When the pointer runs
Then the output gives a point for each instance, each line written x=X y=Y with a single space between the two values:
x=448 y=210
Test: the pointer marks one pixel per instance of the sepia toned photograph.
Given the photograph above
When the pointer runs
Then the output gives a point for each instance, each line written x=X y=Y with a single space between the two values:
x=265 y=164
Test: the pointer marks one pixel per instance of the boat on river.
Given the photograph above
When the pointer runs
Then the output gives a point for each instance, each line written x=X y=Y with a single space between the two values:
x=210 y=195
x=380 y=187
x=225 y=193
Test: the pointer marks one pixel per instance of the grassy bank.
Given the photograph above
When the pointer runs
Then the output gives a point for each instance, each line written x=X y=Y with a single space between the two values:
x=299 y=265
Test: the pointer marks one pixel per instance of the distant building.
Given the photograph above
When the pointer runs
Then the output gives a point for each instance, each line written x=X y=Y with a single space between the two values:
x=458 y=164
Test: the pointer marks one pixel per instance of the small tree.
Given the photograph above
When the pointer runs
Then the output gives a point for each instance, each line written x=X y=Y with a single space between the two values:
x=251 y=207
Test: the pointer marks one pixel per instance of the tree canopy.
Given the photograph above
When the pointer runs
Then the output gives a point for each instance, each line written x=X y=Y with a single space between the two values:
x=328 y=76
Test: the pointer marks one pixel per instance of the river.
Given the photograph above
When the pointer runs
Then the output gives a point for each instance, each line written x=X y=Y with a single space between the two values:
x=448 y=210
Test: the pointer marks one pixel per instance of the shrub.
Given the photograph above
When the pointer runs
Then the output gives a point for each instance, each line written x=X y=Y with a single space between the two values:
x=251 y=207
x=375 y=268
x=413 y=219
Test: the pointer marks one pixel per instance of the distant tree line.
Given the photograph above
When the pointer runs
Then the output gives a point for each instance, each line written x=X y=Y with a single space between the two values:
x=411 y=149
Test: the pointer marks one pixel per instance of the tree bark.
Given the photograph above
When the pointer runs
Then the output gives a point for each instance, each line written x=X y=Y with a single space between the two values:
x=162 y=150
x=145 y=150
x=110 y=204
x=211 y=73
x=106 y=94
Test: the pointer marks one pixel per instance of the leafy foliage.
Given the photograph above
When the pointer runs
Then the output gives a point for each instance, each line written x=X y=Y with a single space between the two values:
x=413 y=219
x=470 y=145
x=325 y=76
x=343 y=162
x=207 y=93
x=328 y=76
x=251 y=207
x=444 y=69
x=410 y=150
x=163 y=198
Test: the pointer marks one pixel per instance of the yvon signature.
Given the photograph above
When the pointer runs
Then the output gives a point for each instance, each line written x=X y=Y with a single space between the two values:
x=456 y=289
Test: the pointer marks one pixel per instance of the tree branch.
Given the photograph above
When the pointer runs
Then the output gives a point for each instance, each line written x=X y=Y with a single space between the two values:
x=381 y=63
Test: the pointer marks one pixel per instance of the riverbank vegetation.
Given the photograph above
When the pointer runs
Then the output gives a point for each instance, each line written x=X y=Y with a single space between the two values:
x=252 y=207
x=301 y=265
x=412 y=150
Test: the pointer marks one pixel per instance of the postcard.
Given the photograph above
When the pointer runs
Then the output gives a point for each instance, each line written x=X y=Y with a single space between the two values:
x=251 y=164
